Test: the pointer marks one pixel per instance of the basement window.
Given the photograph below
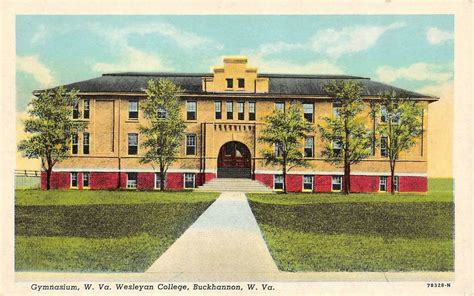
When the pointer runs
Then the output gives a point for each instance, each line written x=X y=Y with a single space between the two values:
x=278 y=182
x=396 y=183
x=74 y=180
x=383 y=184
x=336 y=183
x=189 y=180
x=308 y=182
x=131 y=180
x=85 y=180
x=157 y=181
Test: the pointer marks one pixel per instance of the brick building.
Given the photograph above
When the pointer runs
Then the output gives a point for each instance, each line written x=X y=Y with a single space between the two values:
x=223 y=112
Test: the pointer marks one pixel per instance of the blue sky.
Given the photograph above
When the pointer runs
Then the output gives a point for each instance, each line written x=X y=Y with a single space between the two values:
x=414 y=52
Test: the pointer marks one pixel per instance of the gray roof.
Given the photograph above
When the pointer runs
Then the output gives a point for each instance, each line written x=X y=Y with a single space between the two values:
x=279 y=84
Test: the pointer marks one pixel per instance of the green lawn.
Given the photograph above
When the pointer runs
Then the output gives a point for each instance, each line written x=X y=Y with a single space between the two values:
x=100 y=231
x=362 y=232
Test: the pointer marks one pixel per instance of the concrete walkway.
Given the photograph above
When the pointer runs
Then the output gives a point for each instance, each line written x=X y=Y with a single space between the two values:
x=223 y=242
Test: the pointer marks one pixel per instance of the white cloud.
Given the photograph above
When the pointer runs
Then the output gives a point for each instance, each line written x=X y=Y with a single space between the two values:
x=415 y=72
x=281 y=66
x=437 y=36
x=336 y=43
x=40 y=34
x=32 y=65
x=134 y=60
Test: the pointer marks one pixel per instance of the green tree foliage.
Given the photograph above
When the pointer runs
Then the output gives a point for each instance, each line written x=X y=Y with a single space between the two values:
x=347 y=140
x=51 y=127
x=164 y=133
x=286 y=130
x=401 y=125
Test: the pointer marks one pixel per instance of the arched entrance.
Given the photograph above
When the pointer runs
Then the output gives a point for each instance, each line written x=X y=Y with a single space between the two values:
x=234 y=161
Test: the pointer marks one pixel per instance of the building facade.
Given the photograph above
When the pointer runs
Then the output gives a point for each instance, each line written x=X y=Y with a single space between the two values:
x=223 y=113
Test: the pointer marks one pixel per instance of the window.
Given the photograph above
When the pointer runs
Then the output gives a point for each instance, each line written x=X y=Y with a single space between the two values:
x=74 y=179
x=75 y=144
x=308 y=147
x=75 y=110
x=396 y=183
x=230 y=83
x=131 y=180
x=230 y=110
x=241 y=82
x=336 y=183
x=336 y=107
x=189 y=180
x=383 y=184
x=190 y=144
x=280 y=106
x=162 y=113
x=278 y=149
x=336 y=148
x=278 y=182
x=157 y=181
x=383 y=114
x=251 y=110
x=85 y=143
x=308 y=110
x=132 y=144
x=240 y=110
x=191 y=110
x=383 y=147
x=86 y=108
x=308 y=182
x=85 y=180
x=132 y=109
x=218 y=109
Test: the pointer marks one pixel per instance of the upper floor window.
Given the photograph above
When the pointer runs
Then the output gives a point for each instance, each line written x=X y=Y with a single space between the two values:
x=85 y=180
x=218 y=109
x=240 y=110
x=190 y=144
x=131 y=180
x=75 y=110
x=308 y=110
x=383 y=184
x=133 y=109
x=230 y=110
x=308 y=147
x=278 y=149
x=75 y=144
x=384 y=115
x=280 y=106
x=85 y=143
x=162 y=113
x=383 y=147
x=74 y=179
x=336 y=107
x=251 y=110
x=241 y=82
x=191 y=110
x=86 y=109
x=133 y=144
x=230 y=83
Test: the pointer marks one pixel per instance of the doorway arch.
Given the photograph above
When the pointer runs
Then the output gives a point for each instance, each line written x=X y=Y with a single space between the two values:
x=234 y=161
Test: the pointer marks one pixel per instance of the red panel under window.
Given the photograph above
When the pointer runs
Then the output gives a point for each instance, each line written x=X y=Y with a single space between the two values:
x=174 y=181
x=294 y=183
x=323 y=183
x=266 y=179
x=365 y=183
x=413 y=184
x=59 y=180
x=146 y=181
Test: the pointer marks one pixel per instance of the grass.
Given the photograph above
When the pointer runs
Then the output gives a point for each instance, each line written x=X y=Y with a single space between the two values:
x=100 y=231
x=362 y=232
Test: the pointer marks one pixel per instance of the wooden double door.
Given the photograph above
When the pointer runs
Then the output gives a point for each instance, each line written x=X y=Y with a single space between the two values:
x=234 y=161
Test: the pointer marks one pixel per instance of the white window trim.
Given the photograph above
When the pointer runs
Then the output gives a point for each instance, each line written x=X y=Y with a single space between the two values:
x=77 y=180
x=312 y=184
x=380 y=183
x=154 y=181
x=89 y=175
x=195 y=144
x=332 y=184
x=184 y=180
x=312 y=147
x=136 y=181
x=274 y=182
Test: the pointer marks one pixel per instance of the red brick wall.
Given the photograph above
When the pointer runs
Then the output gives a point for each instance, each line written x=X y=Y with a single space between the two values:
x=413 y=184
x=365 y=183
x=146 y=181
x=294 y=183
x=265 y=179
x=174 y=181
x=59 y=180
x=322 y=183
x=104 y=180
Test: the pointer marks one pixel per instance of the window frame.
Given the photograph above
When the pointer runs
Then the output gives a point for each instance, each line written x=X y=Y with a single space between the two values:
x=157 y=178
x=336 y=105
x=72 y=180
x=85 y=136
x=185 y=175
x=130 y=147
x=312 y=147
x=275 y=182
x=162 y=113
x=383 y=183
x=230 y=114
x=191 y=115
x=218 y=114
x=333 y=183
x=311 y=114
x=193 y=146
x=305 y=183
x=84 y=174
x=133 y=114
x=396 y=183
x=86 y=103
x=75 y=110
x=240 y=114
x=229 y=82
x=383 y=146
x=278 y=152
x=252 y=115
x=281 y=104
x=241 y=82
x=75 y=144
x=128 y=180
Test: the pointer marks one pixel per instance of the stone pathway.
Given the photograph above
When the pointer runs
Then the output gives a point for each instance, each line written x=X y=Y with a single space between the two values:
x=224 y=241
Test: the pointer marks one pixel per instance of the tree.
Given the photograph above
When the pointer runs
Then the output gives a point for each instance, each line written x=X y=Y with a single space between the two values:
x=165 y=132
x=400 y=125
x=347 y=140
x=286 y=131
x=52 y=127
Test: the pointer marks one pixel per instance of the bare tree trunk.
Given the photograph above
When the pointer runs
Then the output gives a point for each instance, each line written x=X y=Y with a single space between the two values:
x=347 y=165
x=392 y=176
x=48 y=178
x=162 y=177
x=284 y=175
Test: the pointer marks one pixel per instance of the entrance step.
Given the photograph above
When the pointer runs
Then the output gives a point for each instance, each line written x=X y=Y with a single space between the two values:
x=234 y=185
